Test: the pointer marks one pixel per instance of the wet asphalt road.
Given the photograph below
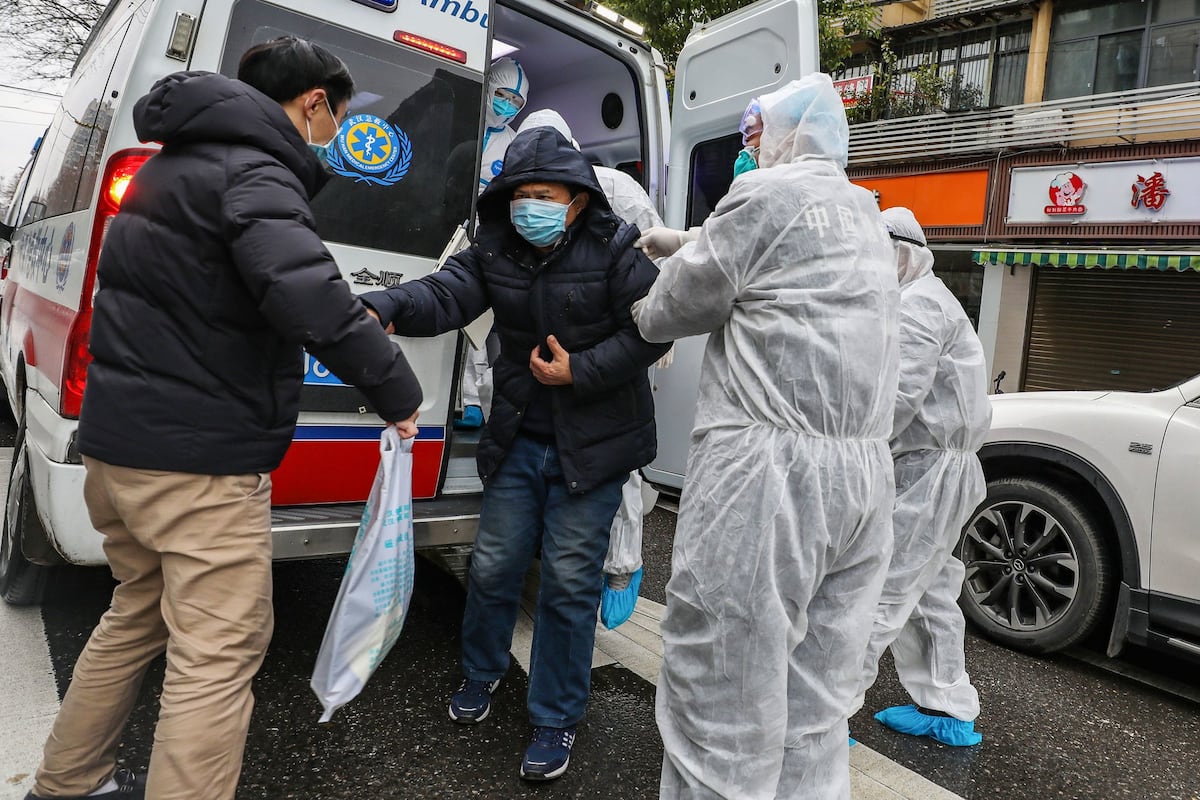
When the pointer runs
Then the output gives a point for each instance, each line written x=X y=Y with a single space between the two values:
x=395 y=740
x=1054 y=727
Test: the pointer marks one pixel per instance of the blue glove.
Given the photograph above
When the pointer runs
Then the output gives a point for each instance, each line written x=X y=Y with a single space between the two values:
x=616 y=605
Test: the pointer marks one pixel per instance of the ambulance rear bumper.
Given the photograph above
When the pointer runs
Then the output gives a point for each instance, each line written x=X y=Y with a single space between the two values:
x=328 y=530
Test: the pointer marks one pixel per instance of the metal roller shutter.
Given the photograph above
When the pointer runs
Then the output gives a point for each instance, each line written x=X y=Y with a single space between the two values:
x=1113 y=329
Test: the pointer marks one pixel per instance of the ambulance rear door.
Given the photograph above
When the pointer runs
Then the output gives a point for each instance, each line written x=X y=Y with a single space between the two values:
x=723 y=65
x=403 y=167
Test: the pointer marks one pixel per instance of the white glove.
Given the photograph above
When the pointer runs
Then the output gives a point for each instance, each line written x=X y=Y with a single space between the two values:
x=667 y=359
x=661 y=242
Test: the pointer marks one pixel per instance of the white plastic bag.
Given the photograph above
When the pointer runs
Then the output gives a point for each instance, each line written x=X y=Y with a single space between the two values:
x=374 y=596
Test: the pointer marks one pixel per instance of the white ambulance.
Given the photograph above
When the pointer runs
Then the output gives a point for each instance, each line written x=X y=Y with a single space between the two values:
x=419 y=66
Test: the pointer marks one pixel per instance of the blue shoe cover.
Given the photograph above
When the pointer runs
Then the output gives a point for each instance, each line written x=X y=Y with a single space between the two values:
x=853 y=741
x=472 y=418
x=947 y=730
x=617 y=606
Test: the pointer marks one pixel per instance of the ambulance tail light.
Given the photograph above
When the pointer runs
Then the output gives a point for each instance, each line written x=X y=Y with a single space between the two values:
x=117 y=177
x=430 y=46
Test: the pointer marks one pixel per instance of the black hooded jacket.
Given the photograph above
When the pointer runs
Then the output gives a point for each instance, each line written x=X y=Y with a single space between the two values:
x=581 y=293
x=212 y=278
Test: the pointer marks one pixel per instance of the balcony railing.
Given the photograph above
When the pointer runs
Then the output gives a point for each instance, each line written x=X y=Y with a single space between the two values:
x=1161 y=113
x=958 y=8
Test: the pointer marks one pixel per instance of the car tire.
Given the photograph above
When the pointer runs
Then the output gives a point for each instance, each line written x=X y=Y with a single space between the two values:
x=22 y=582
x=1038 y=574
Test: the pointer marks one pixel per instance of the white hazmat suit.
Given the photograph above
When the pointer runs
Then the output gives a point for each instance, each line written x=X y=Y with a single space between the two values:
x=504 y=75
x=784 y=530
x=942 y=416
x=508 y=76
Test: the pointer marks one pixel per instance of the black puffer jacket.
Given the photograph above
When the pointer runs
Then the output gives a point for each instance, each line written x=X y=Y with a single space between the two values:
x=581 y=293
x=212 y=277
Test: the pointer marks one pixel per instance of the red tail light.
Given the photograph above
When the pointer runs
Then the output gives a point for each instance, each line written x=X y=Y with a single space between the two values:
x=430 y=46
x=117 y=176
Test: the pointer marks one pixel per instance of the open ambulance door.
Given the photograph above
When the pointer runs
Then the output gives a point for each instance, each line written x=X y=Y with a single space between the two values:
x=723 y=66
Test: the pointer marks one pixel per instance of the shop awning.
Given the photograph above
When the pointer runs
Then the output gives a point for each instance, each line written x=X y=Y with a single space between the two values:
x=1091 y=259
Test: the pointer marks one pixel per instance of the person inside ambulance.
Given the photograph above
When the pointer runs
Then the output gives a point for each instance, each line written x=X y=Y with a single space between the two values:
x=784 y=529
x=942 y=416
x=572 y=415
x=623 y=564
x=508 y=90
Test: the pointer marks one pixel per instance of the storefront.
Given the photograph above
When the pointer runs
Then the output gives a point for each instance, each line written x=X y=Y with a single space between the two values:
x=1109 y=248
x=1108 y=319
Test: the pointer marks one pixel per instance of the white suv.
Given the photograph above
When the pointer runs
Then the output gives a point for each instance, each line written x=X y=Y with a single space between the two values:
x=1092 y=514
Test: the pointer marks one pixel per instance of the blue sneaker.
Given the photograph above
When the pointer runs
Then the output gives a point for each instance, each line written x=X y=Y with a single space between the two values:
x=548 y=754
x=944 y=729
x=473 y=701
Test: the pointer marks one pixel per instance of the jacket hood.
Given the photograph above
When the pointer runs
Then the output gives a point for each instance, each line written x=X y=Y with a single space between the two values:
x=539 y=155
x=204 y=107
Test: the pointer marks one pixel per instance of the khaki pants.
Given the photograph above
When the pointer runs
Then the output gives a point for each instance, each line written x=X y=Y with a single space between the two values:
x=193 y=557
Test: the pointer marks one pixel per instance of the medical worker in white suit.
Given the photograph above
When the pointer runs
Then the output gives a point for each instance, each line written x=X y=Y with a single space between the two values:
x=784 y=531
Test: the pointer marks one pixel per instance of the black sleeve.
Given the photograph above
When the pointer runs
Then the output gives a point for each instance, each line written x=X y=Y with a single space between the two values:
x=620 y=357
x=298 y=288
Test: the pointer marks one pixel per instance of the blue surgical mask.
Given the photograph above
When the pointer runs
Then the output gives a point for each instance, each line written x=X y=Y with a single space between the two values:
x=540 y=222
x=503 y=108
x=745 y=161
x=322 y=153
x=321 y=150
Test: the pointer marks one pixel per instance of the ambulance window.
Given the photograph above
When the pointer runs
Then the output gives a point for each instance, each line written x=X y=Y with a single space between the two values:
x=65 y=156
x=108 y=50
x=403 y=187
x=712 y=172
x=13 y=215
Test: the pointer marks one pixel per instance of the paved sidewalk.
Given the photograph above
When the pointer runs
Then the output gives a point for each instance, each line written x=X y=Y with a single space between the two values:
x=637 y=646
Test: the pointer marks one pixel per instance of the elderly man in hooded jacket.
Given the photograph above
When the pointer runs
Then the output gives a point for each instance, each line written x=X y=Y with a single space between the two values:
x=571 y=416
x=784 y=529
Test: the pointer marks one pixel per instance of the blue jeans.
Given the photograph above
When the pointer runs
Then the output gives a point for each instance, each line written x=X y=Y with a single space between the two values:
x=527 y=501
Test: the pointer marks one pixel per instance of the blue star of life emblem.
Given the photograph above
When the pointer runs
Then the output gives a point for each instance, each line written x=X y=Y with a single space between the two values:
x=370 y=150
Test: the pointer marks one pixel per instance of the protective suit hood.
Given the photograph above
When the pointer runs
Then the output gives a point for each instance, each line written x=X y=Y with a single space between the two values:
x=913 y=258
x=804 y=118
x=504 y=74
x=549 y=118
x=538 y=155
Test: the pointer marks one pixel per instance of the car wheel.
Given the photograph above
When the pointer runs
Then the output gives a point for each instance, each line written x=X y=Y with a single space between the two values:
x=1037 y=572
x=21 y=581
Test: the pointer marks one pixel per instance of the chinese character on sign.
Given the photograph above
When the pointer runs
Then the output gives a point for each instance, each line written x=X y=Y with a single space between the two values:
x=1150 y=192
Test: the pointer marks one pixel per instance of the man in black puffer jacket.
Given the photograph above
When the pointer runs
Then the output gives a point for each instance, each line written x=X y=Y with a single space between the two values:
x=212 y=279
x=571 y=417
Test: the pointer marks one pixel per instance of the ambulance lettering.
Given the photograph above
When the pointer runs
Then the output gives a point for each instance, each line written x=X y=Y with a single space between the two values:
x=464 y=10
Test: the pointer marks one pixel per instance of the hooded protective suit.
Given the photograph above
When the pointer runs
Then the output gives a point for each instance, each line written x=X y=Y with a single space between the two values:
x=784 y=529
x=942 y=416
x=628 y=199
x=498 y=134
x=505 y=73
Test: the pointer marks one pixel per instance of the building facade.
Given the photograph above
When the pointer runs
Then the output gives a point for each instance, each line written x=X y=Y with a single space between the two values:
x=1054 y=165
